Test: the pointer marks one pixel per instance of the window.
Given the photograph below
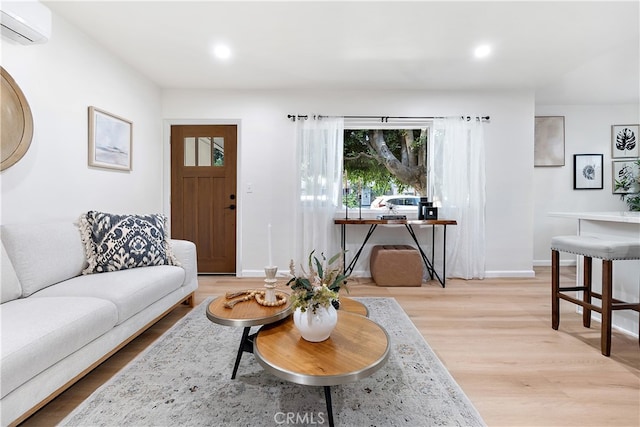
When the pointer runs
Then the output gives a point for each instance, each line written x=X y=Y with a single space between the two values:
x=385 y=166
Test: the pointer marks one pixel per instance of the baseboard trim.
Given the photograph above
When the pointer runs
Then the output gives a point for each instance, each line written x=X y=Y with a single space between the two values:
x=547 y=263
x=488 y=274
x=510 y=274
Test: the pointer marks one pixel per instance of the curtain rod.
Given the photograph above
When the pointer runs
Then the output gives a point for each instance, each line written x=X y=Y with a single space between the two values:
x=383 y=119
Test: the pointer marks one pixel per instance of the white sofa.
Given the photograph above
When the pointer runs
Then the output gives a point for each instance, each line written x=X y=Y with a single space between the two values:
x=57 y=324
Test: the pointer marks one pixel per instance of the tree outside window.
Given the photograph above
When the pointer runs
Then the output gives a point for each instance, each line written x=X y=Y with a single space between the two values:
x=381 y=162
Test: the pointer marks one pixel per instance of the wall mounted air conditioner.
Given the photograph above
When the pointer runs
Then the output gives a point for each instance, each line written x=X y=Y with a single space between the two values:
x=25 y=22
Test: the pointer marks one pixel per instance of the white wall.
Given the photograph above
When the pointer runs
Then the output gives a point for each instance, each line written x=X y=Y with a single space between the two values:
x=63 y=77
x=60 y=80
x=587 y=131
x=266 y=143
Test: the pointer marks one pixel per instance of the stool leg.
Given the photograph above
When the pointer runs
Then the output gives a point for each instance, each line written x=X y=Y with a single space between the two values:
x=586 y=294
x=555 y=285
x=607 y=285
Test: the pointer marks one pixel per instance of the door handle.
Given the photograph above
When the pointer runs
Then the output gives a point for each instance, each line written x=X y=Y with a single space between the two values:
x=232 y=207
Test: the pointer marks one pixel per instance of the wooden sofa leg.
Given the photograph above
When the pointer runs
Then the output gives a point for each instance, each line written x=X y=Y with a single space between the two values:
x=190 y=300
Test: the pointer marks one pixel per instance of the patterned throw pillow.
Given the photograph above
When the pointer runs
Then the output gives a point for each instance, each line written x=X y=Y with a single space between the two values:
x=117 y=242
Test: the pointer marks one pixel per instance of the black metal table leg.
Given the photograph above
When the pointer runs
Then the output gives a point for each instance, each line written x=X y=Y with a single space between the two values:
x=433 y=245
x=427 y=262
x=343 y=244
x=444 y=253
x=245 y=345
x=352 y=264
x=327 y=396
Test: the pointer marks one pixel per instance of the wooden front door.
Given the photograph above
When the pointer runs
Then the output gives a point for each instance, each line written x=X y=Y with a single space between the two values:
x=203 y=193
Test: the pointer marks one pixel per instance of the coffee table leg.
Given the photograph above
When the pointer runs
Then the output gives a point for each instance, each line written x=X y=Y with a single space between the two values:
x=245 y=336
x=327 y=396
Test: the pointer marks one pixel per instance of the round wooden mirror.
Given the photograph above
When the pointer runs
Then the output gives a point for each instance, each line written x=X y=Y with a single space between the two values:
x=16 y=123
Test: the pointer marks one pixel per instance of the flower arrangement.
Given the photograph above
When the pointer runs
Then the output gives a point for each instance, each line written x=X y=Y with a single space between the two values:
x=319 y=285
x=628 y=180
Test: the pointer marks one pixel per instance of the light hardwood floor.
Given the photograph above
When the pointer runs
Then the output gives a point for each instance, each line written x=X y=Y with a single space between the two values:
x=493 y=335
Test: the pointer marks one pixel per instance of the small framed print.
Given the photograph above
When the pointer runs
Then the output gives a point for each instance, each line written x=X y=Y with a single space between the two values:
x=587 y=172
x=548 y=141
x=624 y=141
x=110 y=140
x=625 y=176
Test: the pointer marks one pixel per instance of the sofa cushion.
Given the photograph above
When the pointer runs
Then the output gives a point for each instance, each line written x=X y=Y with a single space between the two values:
x=43 y=254
x=119 y=242
x=39 y=332
x=131 y=290
x=10 y=285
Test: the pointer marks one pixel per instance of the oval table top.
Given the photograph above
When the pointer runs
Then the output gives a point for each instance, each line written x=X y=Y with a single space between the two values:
x=357 y=348
x=246 y=313
x=353 y=306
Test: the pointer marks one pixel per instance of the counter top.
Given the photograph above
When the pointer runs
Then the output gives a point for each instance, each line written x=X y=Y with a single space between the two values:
x=628 y=217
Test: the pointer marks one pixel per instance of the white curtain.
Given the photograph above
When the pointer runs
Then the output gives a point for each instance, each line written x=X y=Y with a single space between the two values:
x=319 y=148
x=458 y=185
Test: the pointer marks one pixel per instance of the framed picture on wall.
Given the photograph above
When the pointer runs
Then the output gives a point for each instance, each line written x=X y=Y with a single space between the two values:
x=110 y=140
x=625 y=176
x=549 y=141
x=624 y=141
x=587 y=172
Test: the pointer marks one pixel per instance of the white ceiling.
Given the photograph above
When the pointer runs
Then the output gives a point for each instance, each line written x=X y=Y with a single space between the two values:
x=569 y=52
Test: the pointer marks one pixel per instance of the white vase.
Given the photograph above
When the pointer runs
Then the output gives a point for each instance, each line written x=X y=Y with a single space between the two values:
x=316 y=327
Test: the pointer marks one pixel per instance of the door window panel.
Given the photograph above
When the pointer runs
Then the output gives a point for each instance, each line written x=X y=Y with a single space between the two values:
x=190 y=151
x=218 y=151
x=204 y=151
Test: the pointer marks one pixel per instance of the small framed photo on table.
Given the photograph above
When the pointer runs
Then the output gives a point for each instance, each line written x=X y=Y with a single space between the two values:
x=110 y=140
x=624 y=141
x=587 y=172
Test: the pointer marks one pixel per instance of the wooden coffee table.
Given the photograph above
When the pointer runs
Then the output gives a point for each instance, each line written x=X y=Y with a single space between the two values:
x=357 y=348
x=245 y=314
x=353 y=306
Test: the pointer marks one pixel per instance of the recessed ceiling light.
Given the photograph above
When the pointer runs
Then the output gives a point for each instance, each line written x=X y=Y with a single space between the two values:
x=222 y=51
x=482 y=51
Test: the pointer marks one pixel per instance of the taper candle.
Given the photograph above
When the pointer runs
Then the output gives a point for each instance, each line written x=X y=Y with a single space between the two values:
x=269 y=243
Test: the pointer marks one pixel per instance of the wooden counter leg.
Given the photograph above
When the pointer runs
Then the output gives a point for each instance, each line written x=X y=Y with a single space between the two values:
x=607 y=289
x=555 y=286
x=586 y=294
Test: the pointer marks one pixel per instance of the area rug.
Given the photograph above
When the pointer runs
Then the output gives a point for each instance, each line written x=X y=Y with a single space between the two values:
x=184 y=379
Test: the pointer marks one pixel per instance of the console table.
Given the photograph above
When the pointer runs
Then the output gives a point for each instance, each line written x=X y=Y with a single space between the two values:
x=408 y=223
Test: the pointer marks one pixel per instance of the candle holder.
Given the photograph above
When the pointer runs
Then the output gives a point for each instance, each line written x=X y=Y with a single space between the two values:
x=346 y=203
x=270 y=284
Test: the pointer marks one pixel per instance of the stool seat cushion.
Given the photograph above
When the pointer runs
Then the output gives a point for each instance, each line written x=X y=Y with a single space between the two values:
x=596 y=247
x=396 y=265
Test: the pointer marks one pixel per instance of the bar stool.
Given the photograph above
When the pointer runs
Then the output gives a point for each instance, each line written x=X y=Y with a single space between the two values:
x=591 y=247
